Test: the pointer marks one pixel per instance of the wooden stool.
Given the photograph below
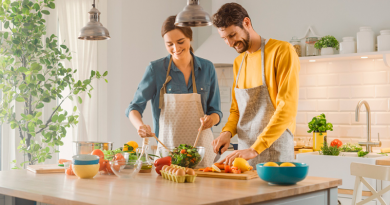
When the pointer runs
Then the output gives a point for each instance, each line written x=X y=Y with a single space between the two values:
x=369 y=171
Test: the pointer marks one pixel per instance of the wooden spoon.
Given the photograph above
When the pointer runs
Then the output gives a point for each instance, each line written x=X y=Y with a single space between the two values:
x=200 y=130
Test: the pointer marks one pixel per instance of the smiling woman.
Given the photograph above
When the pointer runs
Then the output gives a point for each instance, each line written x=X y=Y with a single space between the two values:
x=182 y=88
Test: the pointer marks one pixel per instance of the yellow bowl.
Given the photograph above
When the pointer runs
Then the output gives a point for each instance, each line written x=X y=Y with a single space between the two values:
x=86 y=171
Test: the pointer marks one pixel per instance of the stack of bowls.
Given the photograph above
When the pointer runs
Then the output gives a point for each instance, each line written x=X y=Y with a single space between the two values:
x=85 y=166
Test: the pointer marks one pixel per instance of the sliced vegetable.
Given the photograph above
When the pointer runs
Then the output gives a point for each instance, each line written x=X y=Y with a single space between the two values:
x=216 y=168
x=220 y=166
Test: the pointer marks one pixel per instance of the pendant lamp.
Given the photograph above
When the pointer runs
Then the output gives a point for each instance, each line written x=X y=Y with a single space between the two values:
x=193 y=15
x=94 y=30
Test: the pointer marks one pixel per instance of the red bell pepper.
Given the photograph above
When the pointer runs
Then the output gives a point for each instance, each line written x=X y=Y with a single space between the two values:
x=159 y=163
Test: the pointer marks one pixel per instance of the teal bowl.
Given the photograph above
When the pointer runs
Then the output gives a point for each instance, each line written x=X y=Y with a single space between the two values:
x=283 y=175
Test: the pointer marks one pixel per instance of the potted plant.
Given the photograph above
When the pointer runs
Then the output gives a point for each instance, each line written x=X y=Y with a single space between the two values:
x=31 y=75
x=326 y=44
x=319 y=126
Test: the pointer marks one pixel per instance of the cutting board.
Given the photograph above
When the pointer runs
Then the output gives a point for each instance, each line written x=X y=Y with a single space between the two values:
x=46 y=168
x=244 y=176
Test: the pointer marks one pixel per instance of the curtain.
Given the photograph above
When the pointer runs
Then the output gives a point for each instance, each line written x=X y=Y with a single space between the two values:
x=73 y=15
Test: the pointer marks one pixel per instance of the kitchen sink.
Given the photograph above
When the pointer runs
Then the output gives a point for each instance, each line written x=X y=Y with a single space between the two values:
x=337 y=166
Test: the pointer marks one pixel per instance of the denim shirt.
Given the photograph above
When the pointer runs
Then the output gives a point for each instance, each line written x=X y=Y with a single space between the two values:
x=154 y=78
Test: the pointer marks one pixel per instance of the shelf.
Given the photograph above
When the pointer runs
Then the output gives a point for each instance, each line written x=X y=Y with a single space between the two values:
x=385 y=55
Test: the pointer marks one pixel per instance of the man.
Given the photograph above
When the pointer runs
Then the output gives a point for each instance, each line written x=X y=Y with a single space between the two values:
x=265 y=91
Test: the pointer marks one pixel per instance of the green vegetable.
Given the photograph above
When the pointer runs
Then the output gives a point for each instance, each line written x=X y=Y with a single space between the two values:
x=327 y=41
x=384 y=154
x=318 y=124
x=110 y=154
x=190 y=158
x=362 y=153
x=330 y=150
x=348 y=147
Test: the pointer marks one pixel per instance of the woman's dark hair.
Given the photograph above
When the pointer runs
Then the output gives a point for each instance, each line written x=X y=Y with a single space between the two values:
x=230 y=14
x=169 y=25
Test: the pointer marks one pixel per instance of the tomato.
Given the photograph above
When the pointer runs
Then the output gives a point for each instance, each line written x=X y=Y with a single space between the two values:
x=108 y=167
x=69 y=171
x=100 y=154
x=183 y=151
x=238 y=171
x=335 y=143
x=163 y=161
x=120 y=158
x=158 y=169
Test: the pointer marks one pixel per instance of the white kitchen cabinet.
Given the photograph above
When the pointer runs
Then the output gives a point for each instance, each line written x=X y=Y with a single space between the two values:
x=348 y=201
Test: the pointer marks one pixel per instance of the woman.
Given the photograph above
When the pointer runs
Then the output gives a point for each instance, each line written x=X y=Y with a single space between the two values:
x=182 y=88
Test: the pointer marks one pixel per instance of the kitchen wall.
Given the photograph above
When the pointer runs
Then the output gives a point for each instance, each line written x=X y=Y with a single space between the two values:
x=135 y=30
x=335 y=88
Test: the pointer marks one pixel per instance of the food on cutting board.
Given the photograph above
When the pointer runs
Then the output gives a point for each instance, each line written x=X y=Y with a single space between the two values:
x=160 y=163
x=185 y=156
x=240 y=165
x=178 y=174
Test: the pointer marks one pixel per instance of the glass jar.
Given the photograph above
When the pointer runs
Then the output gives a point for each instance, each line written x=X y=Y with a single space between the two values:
x=295 y=42
x=310 y=50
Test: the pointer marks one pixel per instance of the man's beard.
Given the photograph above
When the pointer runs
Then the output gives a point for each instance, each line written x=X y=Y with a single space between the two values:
x=244 y=42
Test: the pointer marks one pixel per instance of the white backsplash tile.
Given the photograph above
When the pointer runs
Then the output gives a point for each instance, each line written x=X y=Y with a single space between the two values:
x=367 y=91
x=301 y=118
x=349 y=105
x=315 y=68
x=382 y=118
x=382 y=91
x=316 y=93
x=330 y=80
x=328 y=105
x=307 y=105
x=383 y=131
x=351 y=78
x=307 y=80
x=362 y=65
x=378 y=104
x=339 y=66
x=338 y=118
x=379 y=64
x=302 y=93
x=378 y=77
x=339 y=92
x=351 y=131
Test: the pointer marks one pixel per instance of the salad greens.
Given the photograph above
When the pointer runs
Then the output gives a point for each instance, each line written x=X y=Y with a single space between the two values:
x=318 y=124
x=110 y=154
x=348 y=147
x=185 y=156
x=362 y=153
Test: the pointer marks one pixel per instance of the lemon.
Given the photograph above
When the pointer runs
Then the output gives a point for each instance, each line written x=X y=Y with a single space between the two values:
x=132 y=144
x=270 y=164
x=287 y=164
x=215 y=168
x=241 y=164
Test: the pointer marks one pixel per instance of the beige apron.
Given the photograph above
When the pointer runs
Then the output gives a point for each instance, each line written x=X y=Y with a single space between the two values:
x=256 y=110
x=179 y=120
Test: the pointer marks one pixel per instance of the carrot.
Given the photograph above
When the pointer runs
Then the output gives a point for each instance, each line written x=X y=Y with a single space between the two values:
x=61 y=161
x=201 y=169
x=220 y=166
x=228 y=169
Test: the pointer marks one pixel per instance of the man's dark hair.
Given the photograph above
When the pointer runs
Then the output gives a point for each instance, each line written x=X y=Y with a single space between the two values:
x=230 y=14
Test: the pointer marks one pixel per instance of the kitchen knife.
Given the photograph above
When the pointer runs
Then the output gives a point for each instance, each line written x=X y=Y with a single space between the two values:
x=218 y=155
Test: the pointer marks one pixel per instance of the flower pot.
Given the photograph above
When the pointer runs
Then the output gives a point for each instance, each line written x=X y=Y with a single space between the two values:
x=327 y=51
x=319 y=138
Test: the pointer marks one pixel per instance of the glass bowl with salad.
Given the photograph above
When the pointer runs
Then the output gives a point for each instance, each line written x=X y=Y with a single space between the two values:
x=184 y=155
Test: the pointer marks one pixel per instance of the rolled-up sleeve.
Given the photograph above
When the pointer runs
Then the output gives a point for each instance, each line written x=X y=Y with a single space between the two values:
x=145 y=92
x=214 y=99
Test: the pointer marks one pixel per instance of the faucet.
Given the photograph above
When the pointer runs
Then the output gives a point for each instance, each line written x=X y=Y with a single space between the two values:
x=369 y=144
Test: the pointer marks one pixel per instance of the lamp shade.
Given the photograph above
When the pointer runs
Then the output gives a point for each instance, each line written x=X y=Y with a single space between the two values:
x=94 y=30
x=193 y=15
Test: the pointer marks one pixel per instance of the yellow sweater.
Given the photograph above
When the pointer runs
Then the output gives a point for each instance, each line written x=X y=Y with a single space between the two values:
x=282 y=76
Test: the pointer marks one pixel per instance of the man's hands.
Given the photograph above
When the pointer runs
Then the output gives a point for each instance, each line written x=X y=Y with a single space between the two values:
x=247 y=154
x=222 y=141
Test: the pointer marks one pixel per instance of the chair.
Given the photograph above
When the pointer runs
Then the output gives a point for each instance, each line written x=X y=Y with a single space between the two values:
x=369 y=171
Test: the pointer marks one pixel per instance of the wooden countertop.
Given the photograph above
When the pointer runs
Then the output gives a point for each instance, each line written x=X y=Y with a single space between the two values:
x=385 y=161
x=148 y=189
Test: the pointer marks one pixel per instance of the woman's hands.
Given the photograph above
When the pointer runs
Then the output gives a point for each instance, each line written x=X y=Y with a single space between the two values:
x=145 y=131
x=209 y=120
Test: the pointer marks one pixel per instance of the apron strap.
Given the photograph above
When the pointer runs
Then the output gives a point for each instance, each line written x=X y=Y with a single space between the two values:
x=262 y=63
x=163 y=89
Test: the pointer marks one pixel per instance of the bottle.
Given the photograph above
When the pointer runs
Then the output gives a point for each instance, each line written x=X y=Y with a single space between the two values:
x=144 y=157
x=365 y=40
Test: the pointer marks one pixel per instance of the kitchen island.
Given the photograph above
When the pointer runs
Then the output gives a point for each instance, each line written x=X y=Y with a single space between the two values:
x=58 y=188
